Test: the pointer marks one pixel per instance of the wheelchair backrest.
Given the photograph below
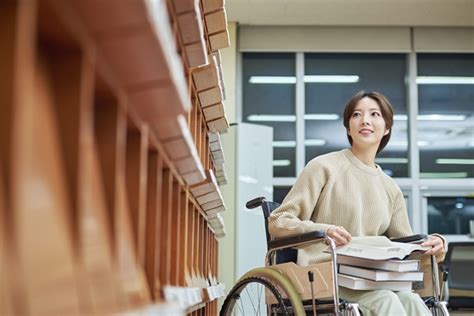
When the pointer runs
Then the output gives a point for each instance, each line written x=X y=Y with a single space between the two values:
x=459 y=262
x=282 y=256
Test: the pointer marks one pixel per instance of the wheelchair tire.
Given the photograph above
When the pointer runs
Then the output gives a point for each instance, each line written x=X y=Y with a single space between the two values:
x=236 y=303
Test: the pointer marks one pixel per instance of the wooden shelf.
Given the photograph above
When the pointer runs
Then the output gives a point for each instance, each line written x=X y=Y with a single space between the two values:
x=219 y=40
x=216 y=21
x=212 y=5
x=103 y=121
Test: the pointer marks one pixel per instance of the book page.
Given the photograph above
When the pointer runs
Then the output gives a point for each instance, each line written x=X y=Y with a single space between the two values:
x=378 y=248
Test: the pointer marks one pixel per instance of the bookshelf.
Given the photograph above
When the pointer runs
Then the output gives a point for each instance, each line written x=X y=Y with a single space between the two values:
x=104 y=146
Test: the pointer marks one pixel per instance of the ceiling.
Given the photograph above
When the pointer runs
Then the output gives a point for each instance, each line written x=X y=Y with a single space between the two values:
x=439 y=13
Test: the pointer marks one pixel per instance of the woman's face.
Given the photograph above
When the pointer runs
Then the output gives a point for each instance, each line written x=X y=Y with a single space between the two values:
x=366 y=125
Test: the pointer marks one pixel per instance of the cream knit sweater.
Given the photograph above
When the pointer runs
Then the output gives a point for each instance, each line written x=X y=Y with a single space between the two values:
x=338 y=189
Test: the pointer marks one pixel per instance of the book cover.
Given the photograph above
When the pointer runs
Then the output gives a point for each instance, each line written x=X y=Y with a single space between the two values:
x=379 y=275
x=388 y=265
x=355 y=283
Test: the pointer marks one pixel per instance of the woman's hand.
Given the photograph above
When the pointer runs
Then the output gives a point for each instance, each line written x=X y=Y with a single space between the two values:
x=436 y=243
x=339 y=234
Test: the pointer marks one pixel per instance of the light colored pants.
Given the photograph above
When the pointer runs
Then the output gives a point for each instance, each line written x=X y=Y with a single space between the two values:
x=386 y=302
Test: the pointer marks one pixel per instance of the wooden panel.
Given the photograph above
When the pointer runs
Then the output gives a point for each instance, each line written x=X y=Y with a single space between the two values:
x=137 y=164
x=183 y=243
x=178 y=148
x=153 y=221
x=196 y=54
x=219 y=125
x=219 y=41
x=175 y=234
x=74 y=81
x=157 y=101
x=101 y=210
x=212 y=5
x=216 y=21
x=210 y=97
x=167 y=129
x=214 y=112
x=8 y=289
x=6 y=299
x=182 y=6
x=110 y=130
x=8 y=60
x=126 y=15
x=190 y=25
x=140 y=47
x=206 y=77
x=206 y=186
x=166 y=206
x=39 y=200
x=189 y=240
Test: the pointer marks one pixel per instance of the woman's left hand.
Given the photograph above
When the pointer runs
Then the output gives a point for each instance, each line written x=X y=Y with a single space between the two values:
x=436 y=243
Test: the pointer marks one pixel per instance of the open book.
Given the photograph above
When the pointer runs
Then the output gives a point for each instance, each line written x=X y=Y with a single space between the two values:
x=377 y=248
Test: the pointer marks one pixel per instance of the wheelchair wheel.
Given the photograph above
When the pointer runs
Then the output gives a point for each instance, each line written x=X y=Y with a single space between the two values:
x=248 y=296
x=250 y=292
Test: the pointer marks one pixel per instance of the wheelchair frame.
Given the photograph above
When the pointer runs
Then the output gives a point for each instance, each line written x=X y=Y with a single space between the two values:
x=283 y=282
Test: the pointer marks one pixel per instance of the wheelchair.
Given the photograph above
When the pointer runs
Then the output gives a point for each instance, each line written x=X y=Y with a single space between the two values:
x=283 y=288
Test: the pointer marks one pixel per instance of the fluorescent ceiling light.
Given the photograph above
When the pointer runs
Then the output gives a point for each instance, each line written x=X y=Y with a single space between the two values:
x=281 y=163
x=284 y=143
x=444 y=80
x=400 y=117
x=391 y=160
x=331 y=79
x=431 y=117
x=441 y=117
x=321 y=117
x=333 y=117
x=272 y=79
x=434 y=175
x=448 y=161
x=314 y=142
x=271 y=118
x=404 y=143
x=292 y=143
x=248 y=179
x=308 y=79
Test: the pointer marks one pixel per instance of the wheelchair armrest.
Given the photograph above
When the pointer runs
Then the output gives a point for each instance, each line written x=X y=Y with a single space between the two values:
x=293 y=241
x=412 y=238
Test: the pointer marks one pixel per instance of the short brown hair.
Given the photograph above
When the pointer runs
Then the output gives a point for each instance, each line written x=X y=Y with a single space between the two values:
x=385 y=108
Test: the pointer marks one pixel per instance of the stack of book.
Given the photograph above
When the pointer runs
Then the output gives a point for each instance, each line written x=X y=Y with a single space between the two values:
x=375 y=263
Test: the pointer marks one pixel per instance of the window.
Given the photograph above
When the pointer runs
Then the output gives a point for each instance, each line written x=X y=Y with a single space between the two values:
x=450 y=215
x=446 y=115
x=279 y=193
x=331 y=80
x=272 y=96
x=269 y=99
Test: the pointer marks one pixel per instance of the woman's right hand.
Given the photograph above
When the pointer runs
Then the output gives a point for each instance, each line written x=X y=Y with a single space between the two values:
x=339 y=234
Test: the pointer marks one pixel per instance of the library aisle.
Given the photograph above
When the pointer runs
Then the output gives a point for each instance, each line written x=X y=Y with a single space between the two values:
x=110 y=156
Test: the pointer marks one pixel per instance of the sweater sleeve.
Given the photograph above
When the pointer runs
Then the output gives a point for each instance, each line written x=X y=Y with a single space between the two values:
x=399 y=224
x=294 y=214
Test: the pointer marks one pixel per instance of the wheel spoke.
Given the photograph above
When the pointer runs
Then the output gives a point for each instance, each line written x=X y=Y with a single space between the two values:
x=259 y=296
x=241 y=307
x=250 y=299
x=256 y=288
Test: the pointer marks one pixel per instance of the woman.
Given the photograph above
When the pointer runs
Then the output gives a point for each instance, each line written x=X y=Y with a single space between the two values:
x=346 y=194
